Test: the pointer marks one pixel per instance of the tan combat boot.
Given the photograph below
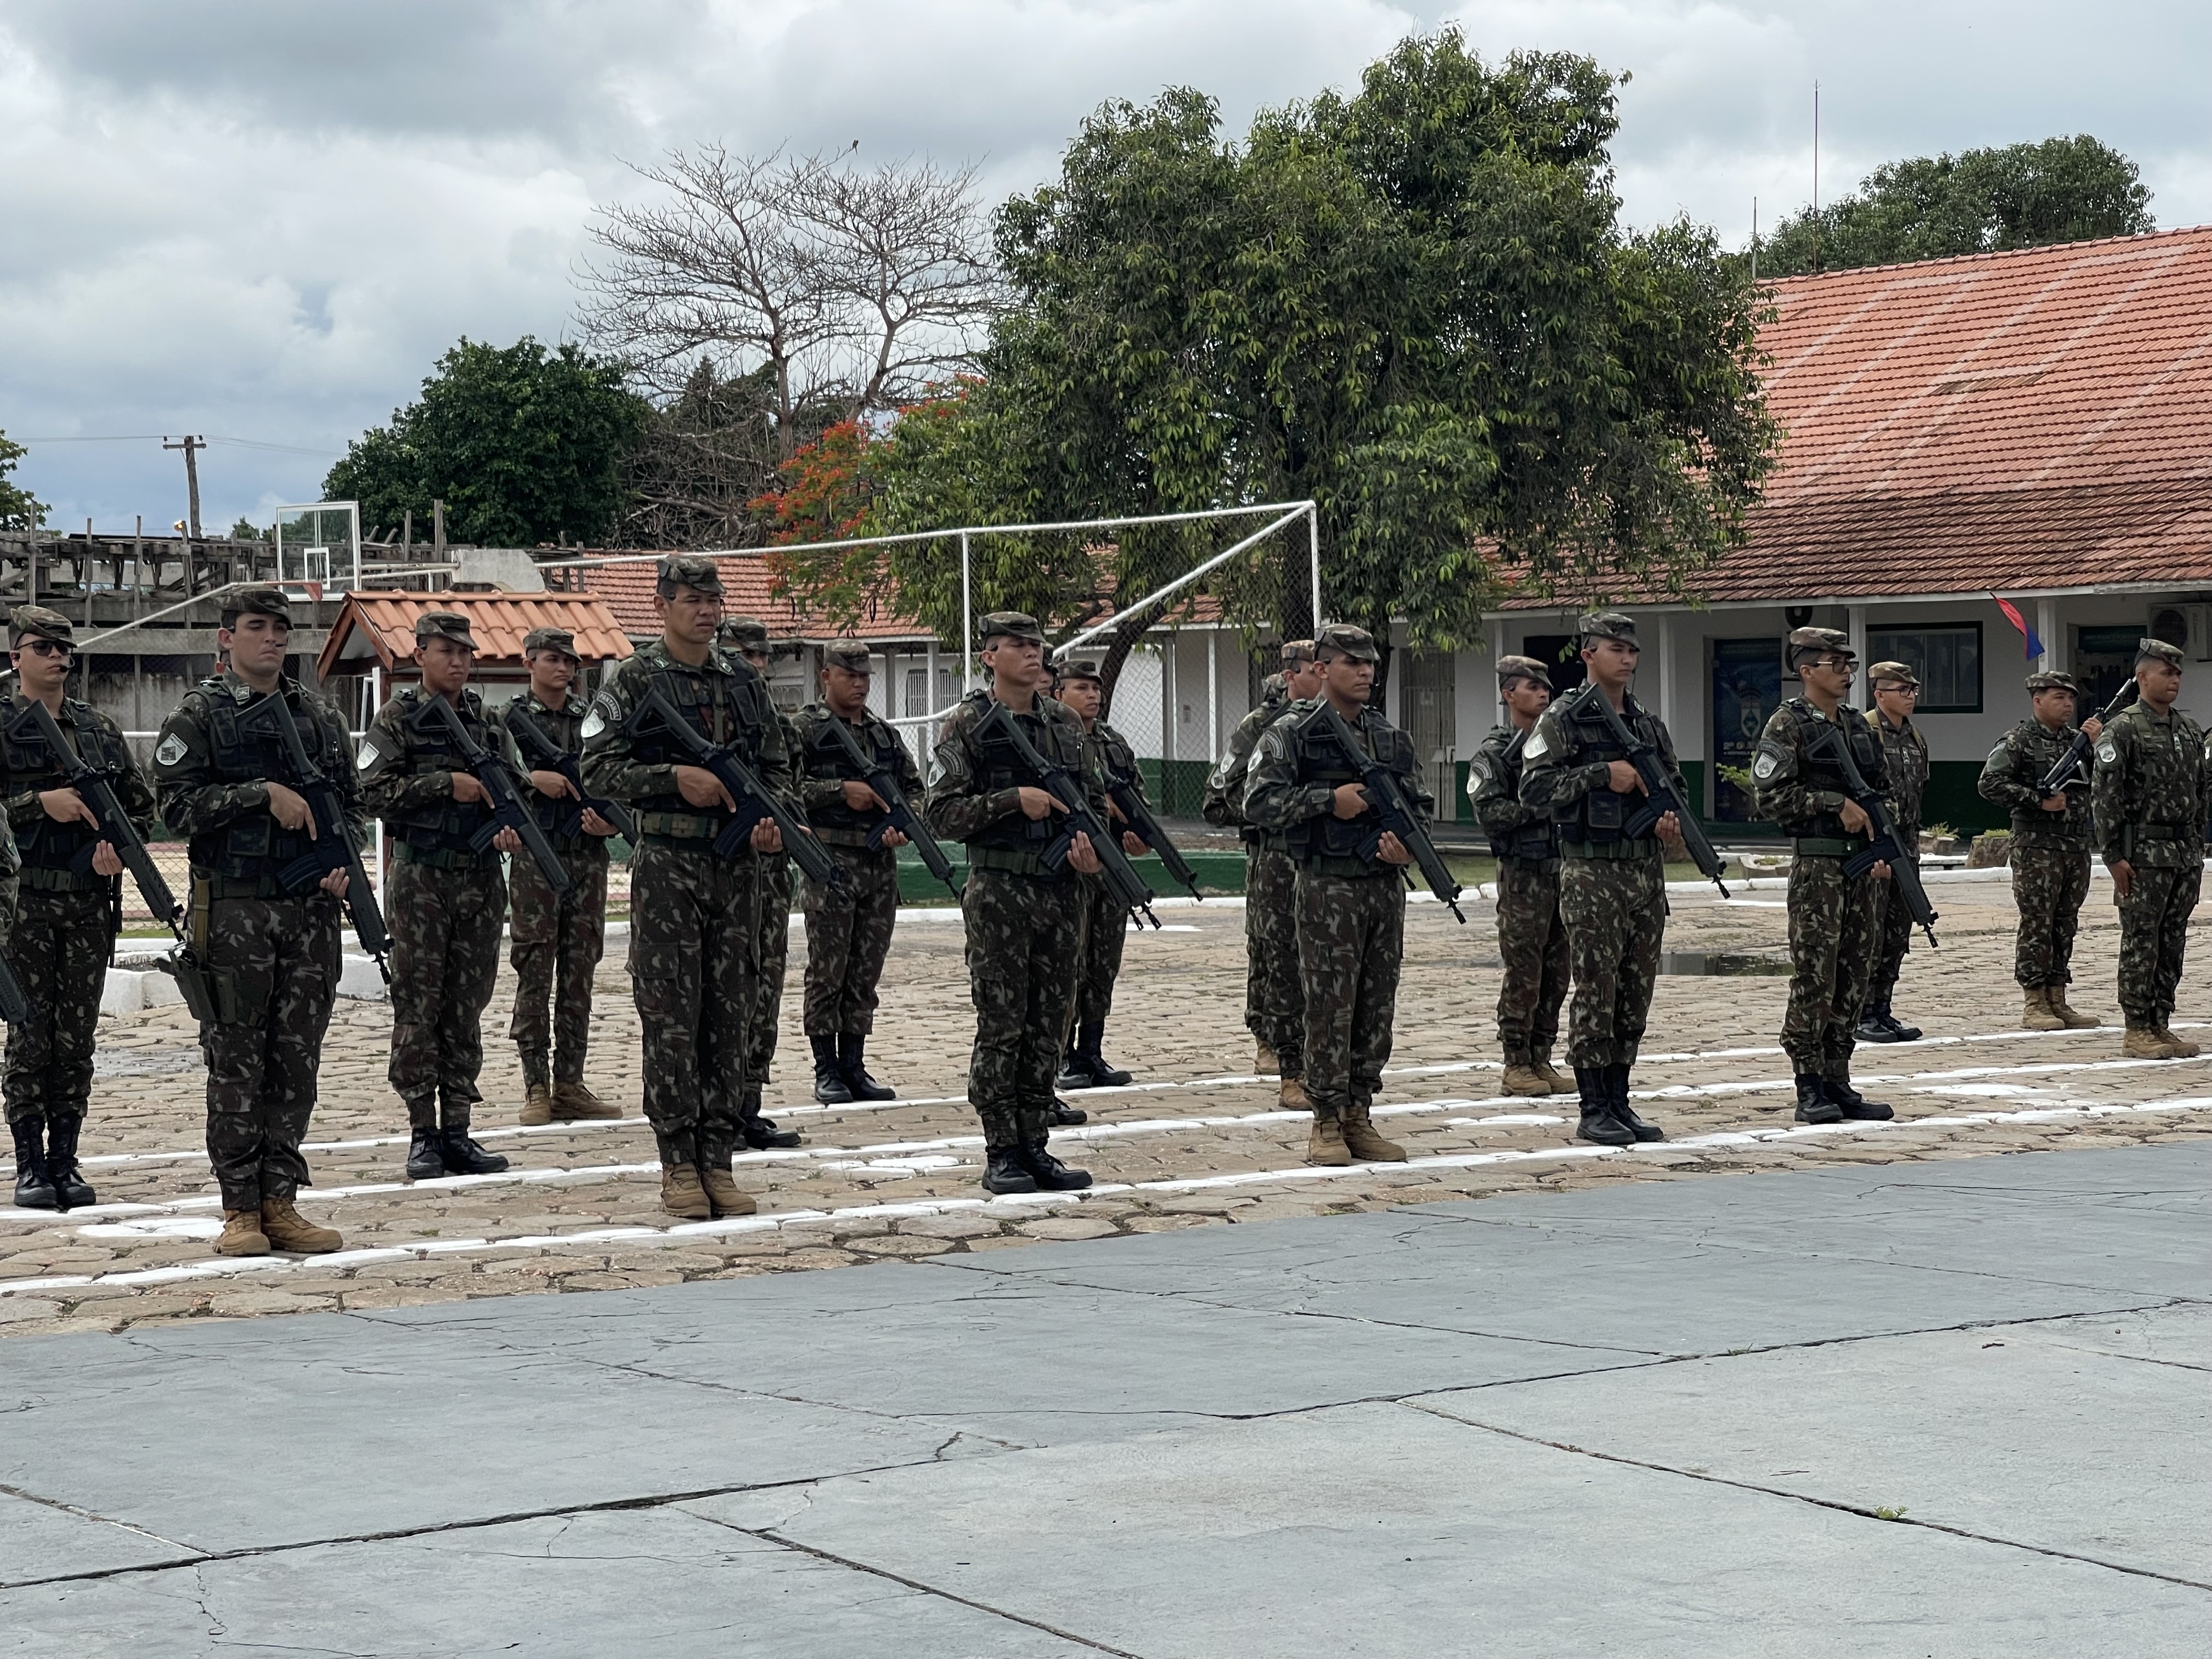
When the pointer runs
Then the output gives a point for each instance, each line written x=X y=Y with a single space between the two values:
x=572 y=1101
x=682 y=1194
x=2073 y=1019
x=538 y=1105
x=1293 y=1095
x=723 y=1196
x=1267 y=1062
x=1364 y=1145
x=2037 y=1015
x=1326 y=1144
x=1521 y=1077
x=2144 y=1042
x=2178 y=1048
x=242 y=1234
x=290 y=1232
x=1540 y=1061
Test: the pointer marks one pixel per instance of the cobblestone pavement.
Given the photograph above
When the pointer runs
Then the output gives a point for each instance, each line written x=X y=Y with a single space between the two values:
x=1196 y=1141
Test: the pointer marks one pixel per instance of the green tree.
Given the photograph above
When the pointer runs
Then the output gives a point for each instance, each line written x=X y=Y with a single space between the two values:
x=523 y=445
x=1982 y=201
x=19 y=508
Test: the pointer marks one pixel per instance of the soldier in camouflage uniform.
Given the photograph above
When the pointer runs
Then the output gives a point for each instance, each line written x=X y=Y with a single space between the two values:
x=2152 y=789
x=446 y=901
x=1613 y=885
x=1105 y=918
x=271 y=956
x=1350 y=901
x=557 y=939
x=1797 y=783
x=848 y=926
x=1532 y=940
x=2049 y=847
x=748 y=636
x=694 y=959
x=1274 y=1000
x=67 y=909
x=1904 y=751
x=1024 y=917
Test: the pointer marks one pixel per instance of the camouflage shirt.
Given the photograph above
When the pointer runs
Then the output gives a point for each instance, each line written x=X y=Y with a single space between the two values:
x=565 y=726
x=407 y=776
x=1516 y=828
x=27 y=771
x=2017 y=766
x=1904 y=751
x=1297 y=769
x=976 y=792
x=824 y=768
x=1796 y=780
x=733 y=703
x=2152 y=788
x=1565 y=768
x=204 y=795
x=1225 y=790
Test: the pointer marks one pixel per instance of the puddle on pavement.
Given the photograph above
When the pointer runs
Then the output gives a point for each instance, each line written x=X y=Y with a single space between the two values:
x=1723 y=964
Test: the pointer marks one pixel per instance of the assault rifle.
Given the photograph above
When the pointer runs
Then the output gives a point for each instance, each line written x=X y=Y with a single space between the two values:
x=1658 y=789
x=2061 y=775
x=749 y=795
x=541 y=753
x=1129 y=800
x=1388 y=797
x=1052 y=777
x=1886 y=847
x=435 y=716
x=92 y=786
x=333 y=846
x=899 y=811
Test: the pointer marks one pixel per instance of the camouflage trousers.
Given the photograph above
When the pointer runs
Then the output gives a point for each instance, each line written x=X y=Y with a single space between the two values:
x=282 y=956
x=1351 y=930
x=1892 y=938
x=1614 y=911
x=1532 y=941
x=1831 y=944
x=59 y=950
x=1274 y=988
x=692 y=945
x=2154 y=937
x=10 y=885
x=445 y=927
x=1105 y=931
x=2049 y=880
x=848 y=935
x=772 y=953
x=1023 y=933
x=555 y=942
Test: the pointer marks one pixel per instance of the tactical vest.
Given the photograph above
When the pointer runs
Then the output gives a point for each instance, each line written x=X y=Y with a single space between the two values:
x=443 y=829
x=49 y=847
x=726 y=708
x=998 y=767
x=553 y=813
x=1533 y=840
x=1599 y=817
x=253 y=846
x=1818 y=769
x=1336 y=844
x=826 y=762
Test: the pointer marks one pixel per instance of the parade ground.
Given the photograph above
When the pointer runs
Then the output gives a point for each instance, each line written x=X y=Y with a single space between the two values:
x=1932 y=1387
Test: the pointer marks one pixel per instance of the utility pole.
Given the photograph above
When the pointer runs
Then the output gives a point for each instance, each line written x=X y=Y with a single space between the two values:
x=1816 y=177
x=192 y=447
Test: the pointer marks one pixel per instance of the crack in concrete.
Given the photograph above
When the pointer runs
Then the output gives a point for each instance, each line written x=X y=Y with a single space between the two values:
x=1835 y=1504
x=83 y=1514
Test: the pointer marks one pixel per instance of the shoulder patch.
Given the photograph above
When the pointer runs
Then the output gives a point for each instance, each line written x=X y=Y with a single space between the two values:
x=1478 y=767
x=367 y=756
x=1765 y=764
x=1538 y=746
x=1225 y=769
x=2107 y=751
x=2000 y=755
x=172 y=750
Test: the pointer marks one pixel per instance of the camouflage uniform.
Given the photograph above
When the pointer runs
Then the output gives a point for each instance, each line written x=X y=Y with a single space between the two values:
x=771 y=899
x=1905 y=752
x=2152 y=790
x=1025 y=919
x=1274 y=997
x=1532 y=938
x=694 y=950
x=276 y=953
x=1350 y=905
x=557 y=939
x=2050 y=850
x=848 y=926
x=1105 y=918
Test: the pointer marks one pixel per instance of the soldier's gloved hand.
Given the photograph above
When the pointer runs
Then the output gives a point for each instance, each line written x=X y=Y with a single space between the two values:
x=106 y=861
x=702 y=788
x=335 y=884
x=1349 y=800
x=1855 y=822
x=768 y=836
x=595 y=825
x=2124 y=876
x=1391 y=850
x=1133 y=845
x=1039 y=803
x=66 y=806
x=1081 y=855
x=552 y=783
x=289 y=808
x=862 y=798
x=467 y=789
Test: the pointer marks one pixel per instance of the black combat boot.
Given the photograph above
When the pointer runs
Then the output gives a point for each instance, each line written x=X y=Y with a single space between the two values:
x=853 y=1062
x=1598 y=1123
x=758 y=1132
x=1897 y=1030
x=71 y=1190
x=1050 y=1174
x=1062 y=1116
x=830 y=1085
x=1103 y=1074
x=426 y=1156
x=464 y=1157
x=1074 y=1071
x=1850 y=1103
x=1616 y=1077
x=1813 y=1105
x=1004 y=1171
x=33 y=1190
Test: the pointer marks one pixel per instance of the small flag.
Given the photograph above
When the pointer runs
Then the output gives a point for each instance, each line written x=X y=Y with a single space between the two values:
x=2013 y=615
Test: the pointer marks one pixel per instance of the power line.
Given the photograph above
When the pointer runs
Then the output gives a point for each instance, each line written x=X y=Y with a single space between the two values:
x=156 y=437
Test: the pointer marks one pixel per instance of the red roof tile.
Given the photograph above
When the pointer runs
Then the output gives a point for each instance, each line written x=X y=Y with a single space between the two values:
x=375 y=625
x=627 y=591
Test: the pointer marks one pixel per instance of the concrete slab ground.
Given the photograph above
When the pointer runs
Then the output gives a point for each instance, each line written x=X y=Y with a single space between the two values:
x=1947 y=1408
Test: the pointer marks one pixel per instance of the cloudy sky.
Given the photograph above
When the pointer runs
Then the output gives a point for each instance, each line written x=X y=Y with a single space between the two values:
x=261 y=220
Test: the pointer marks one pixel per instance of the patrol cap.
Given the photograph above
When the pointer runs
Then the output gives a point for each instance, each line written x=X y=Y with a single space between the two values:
x=35 y=622
x=1297 y=652
x=1607 y=625
x=1523 y=668
x=2050 y=680
x=1083 y=668
x=2147 y=650
x=746 y=633
x=260 y=600
x=1814 y=641
x=1012 y=625
x=850 y=655
x=444 y=625
x=1897 y=673
x=551 y=639
x=1343 y=640
x=689 y=570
